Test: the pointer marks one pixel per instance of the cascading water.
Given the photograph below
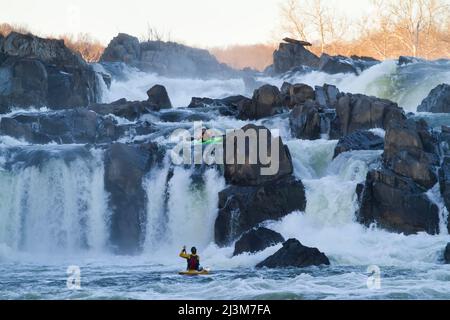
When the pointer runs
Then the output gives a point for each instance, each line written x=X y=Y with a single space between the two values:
x=53 y=201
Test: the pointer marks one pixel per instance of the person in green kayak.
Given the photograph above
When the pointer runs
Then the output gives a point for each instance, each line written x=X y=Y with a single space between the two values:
x=193 y=260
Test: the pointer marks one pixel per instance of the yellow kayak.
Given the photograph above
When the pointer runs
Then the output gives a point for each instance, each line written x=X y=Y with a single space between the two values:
x=195 y=272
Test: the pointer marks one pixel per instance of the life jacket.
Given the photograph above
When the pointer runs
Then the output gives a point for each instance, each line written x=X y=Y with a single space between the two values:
x=193 y=262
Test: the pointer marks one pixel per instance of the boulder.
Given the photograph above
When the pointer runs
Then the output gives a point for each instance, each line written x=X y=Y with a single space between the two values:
x=412 y=151
x=250 y=172
x=257 y=240
x=337 y=64
x=68 y=126
x=359 y=112
x=157 y=96
x=37 y=71
x=444 y=184
x=437 y=101
x=294 y=254
x=227 y=106
x=122 y=48
x=300 y=93
x=125 y=167
x=265 y=102
x=305 y=121
x=359 y=140
x=243 y=208
x=130 y=110
x=447 y=254
x=327 y=96
x=397 y=204
x=23 y=83
x=290 y=55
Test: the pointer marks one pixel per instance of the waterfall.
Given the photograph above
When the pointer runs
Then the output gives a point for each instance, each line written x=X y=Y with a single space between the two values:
x=57 y=204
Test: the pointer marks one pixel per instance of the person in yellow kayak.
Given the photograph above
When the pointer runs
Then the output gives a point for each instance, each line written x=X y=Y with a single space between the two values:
x=193 y=260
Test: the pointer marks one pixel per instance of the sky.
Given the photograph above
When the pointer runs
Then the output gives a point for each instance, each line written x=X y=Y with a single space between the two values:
x=203 y=23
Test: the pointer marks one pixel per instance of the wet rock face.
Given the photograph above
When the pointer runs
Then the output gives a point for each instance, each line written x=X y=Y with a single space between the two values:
x=337 y=64
x=359 y=112
x=157 y=96
x=359 y=140
x=251 y=173
x=130 y=110
x=294 y=254
x=444 y=184
x=265 y=102
x=437 y=101
x=257 y=240
x=69 y=126
x=38 y=72
x=327 y=96
x=411 y=151
x=395 y=196
x=123 y=48
x=447 y=254
x=397 y=204
x=125 y=167
x=243 y=208
x=290 y=55
x=305 y=121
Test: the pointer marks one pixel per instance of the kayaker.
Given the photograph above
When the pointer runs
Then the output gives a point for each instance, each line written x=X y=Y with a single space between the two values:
x=193 y=260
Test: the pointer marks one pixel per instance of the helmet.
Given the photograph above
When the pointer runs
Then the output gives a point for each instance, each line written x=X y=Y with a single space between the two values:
x=194 y=250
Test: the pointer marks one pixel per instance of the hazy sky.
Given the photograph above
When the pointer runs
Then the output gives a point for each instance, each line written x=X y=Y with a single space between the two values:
x=202 y=23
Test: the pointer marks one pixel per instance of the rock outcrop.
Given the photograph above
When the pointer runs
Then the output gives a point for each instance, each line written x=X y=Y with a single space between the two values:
x=251 y=173
x=157 y=96
x=394 y=197
x=125 y=167
x=257 y=240
x=165 y=58
x=294 y=254
x=265 y=102
x=359 y=140
x=290 y=55
x=437 y=101
x=44 y=72
x=243 y=208
x=447 y=254
x=305 y=121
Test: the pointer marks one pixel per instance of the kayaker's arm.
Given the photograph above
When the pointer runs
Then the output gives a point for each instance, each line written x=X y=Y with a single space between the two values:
x=183 y=254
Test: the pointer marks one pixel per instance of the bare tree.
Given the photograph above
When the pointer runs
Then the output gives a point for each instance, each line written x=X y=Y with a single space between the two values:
x=292 y=21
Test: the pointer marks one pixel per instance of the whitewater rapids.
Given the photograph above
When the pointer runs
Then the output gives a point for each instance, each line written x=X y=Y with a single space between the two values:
x=54 y=214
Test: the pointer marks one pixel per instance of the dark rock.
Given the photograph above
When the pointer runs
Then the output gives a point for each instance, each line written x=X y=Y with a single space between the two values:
x=305 y=122
x=122 y=48
x=327 y=96
x=290 y=55
x=232 y=102
x=179 y=115
x=337 y=64
x=294 y=254
x=243 y=208
x=265 y=102
x=437 y=101
x=300 y=93
x=68 y=126
x=130 y=110
x=397 y=204
x=359 y=140
x=412 y=151
x=444 y=183
x=404 y=60
x=251 y=173
x=157 y=96
x=447 y=254
x=125 y=167
x=257 y=240
x=23 y=83
x=359 y=112
x=45 y=72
